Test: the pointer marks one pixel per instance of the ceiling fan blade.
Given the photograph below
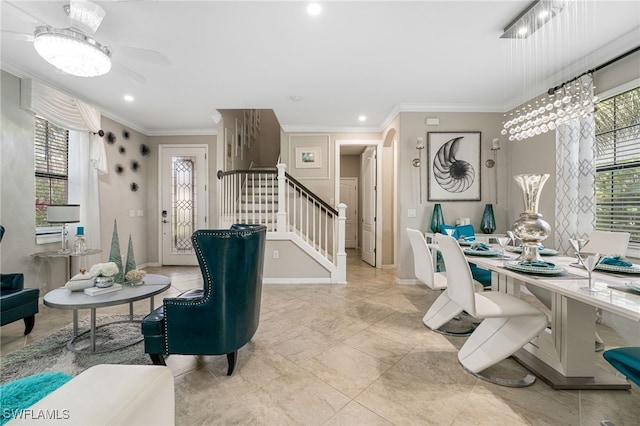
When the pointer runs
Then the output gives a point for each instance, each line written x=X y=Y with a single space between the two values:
x=24 y=15
x=129 y=73
x=142 y=55
x=12 y=35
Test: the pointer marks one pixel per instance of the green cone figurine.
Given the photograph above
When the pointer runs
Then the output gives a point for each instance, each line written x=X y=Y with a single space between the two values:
x=114 y=255
x=131 y=261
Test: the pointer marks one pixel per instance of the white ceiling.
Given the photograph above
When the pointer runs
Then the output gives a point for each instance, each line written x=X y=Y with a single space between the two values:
x=357 y=57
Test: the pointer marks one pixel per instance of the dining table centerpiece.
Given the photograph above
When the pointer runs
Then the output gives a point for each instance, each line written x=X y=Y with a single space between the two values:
x=530 y=227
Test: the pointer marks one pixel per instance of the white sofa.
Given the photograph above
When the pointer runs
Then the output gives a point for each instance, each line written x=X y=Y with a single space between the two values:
x=108 y=395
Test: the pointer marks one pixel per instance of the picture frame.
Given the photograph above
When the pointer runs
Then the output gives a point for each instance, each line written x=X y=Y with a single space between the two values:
x=229 y=141
x=309 y=157
x=453 y=164
x=240 y=135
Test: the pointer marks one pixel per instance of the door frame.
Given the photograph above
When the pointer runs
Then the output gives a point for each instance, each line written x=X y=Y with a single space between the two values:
x=357 y=222
x=161 y=148
x=364 y=142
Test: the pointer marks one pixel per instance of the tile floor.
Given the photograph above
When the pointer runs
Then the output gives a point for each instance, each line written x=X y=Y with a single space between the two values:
x=355 y=354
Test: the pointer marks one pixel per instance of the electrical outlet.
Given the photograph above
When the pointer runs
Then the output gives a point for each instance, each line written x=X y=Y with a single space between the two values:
x=132 y=213
x=140 y=213
x=411 y=213
x=276 y=254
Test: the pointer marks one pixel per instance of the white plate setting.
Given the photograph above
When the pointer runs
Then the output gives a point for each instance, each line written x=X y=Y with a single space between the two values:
x=516 y=266
x=633 y=285
x=488 y=253
x=634 y=269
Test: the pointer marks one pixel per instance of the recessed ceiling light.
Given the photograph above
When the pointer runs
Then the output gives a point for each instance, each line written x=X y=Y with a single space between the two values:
x=128 y=98
x=544 y=14
x=362 y=118
x=314 y=9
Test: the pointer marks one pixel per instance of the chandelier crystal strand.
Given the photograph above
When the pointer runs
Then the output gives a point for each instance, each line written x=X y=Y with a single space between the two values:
x=570 y=101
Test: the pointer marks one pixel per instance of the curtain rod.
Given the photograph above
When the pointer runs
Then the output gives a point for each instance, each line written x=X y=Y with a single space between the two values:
x=553 y=90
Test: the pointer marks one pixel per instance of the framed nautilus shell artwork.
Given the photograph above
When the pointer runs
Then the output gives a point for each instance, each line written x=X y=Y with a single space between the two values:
x=454 y=166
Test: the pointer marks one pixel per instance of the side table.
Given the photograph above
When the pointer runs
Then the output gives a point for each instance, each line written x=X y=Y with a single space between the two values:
x=69 y=255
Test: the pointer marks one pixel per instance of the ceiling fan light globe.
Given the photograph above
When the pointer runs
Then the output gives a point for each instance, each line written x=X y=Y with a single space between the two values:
x=72 y=52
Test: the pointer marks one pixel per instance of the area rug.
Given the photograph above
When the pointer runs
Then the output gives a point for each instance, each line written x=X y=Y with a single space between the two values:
x=51 y=354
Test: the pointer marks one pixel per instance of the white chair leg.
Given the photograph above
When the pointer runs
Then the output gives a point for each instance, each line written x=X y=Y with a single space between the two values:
x=496 y=339
x=441 y=312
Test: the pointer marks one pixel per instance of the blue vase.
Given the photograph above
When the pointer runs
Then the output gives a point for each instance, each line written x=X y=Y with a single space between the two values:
x=437 y=219
x=488 y=222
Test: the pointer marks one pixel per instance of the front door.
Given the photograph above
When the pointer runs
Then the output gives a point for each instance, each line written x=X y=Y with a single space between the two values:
x=183 y=201
x=368 y=170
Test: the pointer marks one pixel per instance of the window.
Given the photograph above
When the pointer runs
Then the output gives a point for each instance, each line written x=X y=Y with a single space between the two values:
x=618 y=164
x=51 y=170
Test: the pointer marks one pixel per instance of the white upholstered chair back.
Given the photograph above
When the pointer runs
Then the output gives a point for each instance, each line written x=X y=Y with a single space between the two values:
x=460 y=286
x=608 y=243
x=422 y=259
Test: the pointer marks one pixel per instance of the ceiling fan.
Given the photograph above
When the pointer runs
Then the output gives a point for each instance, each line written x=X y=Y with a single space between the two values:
x=74 y=50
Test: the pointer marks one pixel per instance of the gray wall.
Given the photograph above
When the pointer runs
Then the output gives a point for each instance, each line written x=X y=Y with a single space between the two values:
x=412 y=126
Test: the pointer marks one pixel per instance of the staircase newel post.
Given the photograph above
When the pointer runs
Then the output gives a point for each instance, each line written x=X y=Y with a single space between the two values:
x=281 y=216
x=341 y=255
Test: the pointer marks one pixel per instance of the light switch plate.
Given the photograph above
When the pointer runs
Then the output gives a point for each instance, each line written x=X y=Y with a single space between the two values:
x=411 y=213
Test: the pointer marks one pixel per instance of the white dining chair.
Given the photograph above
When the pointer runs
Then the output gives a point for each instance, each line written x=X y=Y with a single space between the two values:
x=608 y=243
x=442 y=310
x=508 y=322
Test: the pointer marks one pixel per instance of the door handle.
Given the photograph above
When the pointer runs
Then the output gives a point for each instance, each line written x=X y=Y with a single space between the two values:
x=165 y=221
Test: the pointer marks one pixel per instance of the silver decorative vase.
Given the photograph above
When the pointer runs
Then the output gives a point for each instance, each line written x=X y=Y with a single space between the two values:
x=103 y=282
x=530 y=227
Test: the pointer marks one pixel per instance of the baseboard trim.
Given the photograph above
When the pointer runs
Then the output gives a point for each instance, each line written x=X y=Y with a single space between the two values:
x=405 y=281
x=297 y=281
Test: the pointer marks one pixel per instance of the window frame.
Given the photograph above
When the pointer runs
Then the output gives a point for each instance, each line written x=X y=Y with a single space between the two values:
x=634 y=246
x=49 y=234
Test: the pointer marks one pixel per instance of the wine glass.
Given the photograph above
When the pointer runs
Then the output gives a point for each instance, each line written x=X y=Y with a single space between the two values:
x=512 y=237
x=590 y=261
x=578 y=244
x=503 y=241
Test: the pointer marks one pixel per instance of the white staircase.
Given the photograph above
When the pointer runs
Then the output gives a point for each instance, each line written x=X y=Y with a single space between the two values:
x=290 y=211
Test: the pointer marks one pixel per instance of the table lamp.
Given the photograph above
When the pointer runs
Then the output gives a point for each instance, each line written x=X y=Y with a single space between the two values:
x=63 y=213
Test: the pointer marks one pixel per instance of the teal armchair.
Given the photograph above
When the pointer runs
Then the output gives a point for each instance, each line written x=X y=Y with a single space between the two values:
x=224 y=315
x=17 y=302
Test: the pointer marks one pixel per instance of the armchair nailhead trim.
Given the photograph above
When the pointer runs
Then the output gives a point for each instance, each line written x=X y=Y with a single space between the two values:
x=224 y=233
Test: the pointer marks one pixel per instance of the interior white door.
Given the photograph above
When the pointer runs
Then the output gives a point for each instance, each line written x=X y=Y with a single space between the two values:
x=368 y=170
x=183 y=201
x=349 y=196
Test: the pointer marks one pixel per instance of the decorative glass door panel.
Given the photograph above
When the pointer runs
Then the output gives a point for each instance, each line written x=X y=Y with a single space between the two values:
x=183 y=203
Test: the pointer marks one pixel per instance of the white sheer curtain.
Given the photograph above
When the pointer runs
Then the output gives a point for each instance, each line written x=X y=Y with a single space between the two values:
x=575 y=182
x=87 y=156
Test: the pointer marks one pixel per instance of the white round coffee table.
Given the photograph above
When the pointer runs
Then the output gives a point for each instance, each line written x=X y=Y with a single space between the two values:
x=63 y=298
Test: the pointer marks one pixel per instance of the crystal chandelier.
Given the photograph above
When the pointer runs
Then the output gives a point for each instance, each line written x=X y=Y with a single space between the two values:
x=572 y=100
x=73 y=50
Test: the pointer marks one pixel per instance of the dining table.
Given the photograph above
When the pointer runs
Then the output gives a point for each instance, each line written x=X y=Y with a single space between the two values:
x=564 y=354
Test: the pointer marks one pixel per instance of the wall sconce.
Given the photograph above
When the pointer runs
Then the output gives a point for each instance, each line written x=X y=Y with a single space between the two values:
x=492 y=162
x=417 y=162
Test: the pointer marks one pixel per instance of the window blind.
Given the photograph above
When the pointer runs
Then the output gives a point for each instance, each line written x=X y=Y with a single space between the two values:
x=51 y=167
x=618 y=164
